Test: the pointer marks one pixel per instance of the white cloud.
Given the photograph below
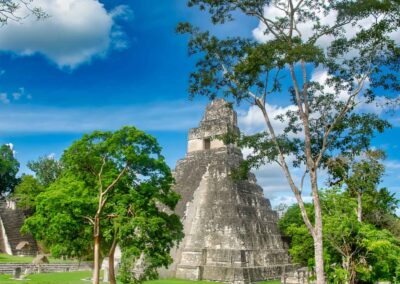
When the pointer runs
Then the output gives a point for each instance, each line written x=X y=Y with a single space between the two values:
x=276 y=187
x=75 y=33
x=321 y=76
x=4 y=98
x=11 y=146
x=122 y=12
x=52 y=156
x=252 y=120
x=14 y=96
x=392 y=164
x=40 y=119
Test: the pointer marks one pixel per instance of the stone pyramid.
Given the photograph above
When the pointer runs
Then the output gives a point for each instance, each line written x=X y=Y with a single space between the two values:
x=231 y=232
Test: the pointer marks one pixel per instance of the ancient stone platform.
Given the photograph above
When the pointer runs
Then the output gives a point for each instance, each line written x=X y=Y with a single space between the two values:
x=231 y=232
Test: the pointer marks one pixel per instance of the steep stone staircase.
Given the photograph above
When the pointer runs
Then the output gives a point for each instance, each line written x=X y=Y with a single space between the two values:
x=13 y=219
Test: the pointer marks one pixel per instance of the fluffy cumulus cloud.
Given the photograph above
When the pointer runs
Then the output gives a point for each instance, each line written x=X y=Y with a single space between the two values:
x=75 y=32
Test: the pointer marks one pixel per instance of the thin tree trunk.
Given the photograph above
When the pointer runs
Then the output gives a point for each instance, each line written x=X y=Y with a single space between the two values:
x=96 y=269
x=319 y=253
x=359 y=207
x=111 y=262
x=318 y=237
x=316 y=231
x=302 y=98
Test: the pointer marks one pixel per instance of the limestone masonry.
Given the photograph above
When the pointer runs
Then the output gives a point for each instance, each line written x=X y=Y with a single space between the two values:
x=231 y=232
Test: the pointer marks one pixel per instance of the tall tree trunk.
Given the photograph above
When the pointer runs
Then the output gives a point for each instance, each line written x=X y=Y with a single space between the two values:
x=312 y=165
x=111 y=262
x=315 y=231
x=318 y=236
x=96 y=269
x=359 y=207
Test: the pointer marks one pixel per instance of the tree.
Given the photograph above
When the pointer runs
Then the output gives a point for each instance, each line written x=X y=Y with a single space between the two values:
x=59 y=220
x=11 y=10
x=324 y=120
x=360 y=176
x=112 y=186
x=46 y=169
x=301 y=243
x=379 y=209
x=26 y=192
x=9 y=167
x=354 y=251
x=155 y=229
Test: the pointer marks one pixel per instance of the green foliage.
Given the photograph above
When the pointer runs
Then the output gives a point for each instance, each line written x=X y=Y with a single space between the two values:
x=366 y=174
x=302 y=245
x=27 y=191
x=382 y=253
x=46 y=169
x=9 y=167
x=380 y=208
x=59 y=220
x=353 y=251
x=146 y=233
x=361 y=177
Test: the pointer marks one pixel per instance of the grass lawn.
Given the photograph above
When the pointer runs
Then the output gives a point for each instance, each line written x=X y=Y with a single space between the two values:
x=50 y=278
x=76 y=278
x=5 y=258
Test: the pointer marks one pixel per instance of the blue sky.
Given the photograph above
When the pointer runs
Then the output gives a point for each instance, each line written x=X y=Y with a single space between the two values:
x=102 y=67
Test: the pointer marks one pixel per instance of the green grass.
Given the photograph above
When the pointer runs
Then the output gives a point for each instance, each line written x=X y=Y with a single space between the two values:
x=5 y=258
x=76 y=278
x=50 y=278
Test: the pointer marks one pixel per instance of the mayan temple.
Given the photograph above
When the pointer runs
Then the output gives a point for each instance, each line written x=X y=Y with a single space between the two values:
x=231 y=232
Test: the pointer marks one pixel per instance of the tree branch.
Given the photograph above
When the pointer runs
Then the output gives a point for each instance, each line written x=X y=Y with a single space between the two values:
x=116 y=180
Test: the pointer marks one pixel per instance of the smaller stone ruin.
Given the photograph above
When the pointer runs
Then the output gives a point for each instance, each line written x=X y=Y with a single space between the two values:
x=300 y=276
x=12 y=242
